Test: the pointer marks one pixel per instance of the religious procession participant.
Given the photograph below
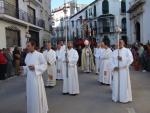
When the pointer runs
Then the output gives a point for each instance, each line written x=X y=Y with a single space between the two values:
x=87 y=58
x=105 y=66
x=35 y=67
x=101 y=53
x=70 y=78
x=59 y=62
x=63 y=46
x=121 y=86
x=97 y=53
x=50 y=56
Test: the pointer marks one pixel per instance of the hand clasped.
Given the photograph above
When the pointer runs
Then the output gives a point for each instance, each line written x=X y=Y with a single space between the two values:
x=116 y=69
x=32 y=67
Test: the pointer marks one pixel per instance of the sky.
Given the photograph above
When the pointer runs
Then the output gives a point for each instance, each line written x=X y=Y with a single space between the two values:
x=57 y=3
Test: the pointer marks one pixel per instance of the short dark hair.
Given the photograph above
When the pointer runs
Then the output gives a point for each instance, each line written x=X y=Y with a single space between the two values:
x=106 y=41
x=122 y=40
x=49 y=42
x=32 y=42
x=70 y=42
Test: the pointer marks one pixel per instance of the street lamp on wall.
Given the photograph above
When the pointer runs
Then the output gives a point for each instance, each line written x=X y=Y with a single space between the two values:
x=28 y=36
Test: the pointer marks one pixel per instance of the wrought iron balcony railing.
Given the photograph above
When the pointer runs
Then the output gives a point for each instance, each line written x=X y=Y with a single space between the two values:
x=106 y=29
x=11 y=10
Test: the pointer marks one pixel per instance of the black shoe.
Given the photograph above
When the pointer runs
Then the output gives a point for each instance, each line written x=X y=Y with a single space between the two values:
x=65 y=93
x=49 y=86
x=105 y=84
x=73 y=94
x=102 y=83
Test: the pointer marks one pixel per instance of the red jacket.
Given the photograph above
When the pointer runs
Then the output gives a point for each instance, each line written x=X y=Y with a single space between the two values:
x=3 y=60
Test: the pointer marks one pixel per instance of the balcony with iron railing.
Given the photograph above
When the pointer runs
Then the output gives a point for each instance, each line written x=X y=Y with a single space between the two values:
x=11 y=10
x=106 y=29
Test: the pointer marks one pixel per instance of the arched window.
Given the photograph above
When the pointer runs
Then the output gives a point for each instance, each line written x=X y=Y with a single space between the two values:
x=86 y=14
x=124 y=28
x=94 y=10
x=123 y=6
x=105 y=7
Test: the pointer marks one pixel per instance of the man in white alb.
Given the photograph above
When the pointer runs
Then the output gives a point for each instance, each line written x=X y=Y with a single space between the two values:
x=50 y=56
x=105 y=66
x=121 y=86
x=97 y=51
x=59 y=62
x=70 y=78
x=35 y=67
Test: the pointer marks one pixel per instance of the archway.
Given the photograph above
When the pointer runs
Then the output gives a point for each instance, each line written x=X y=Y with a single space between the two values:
x=138 y=32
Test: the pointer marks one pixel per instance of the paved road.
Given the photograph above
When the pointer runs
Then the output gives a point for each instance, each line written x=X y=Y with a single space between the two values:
x=93 y=98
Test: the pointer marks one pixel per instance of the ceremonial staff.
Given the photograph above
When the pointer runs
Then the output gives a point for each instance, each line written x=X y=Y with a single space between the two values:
x=66 y=38
x=118 y=31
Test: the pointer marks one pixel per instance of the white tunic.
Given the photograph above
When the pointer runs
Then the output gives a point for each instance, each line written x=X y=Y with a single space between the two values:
x=59 y=64
x=50 y=57
x=97 y=59
x=124 y=95
x=101 y=56
x=71 y=83
x=36 y=96
x=105 y=67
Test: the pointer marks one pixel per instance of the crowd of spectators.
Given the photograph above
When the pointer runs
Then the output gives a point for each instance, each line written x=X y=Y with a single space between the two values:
x=141 y=54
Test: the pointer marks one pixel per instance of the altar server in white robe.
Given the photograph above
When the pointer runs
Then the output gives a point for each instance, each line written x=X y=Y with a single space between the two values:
x=97 y=51
x=63 y=46
x=71 y=82
x=35 y=66
x=121 y=86
x=105 y=67
x=59 y=62
x=101 y=53
x=50 y=56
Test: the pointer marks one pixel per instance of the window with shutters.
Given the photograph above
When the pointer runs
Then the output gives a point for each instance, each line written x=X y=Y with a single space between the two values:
x=94 y=10
x=124 y=28
x=123 y=6
x=105 y=7
x=86 y=14
x=31 y=15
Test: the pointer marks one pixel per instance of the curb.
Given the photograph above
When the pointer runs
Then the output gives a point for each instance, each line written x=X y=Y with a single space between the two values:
x=10 y=78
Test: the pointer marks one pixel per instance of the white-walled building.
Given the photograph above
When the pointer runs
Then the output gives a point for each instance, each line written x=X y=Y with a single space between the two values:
x=139 y=24
x=98 y=20
x=21 y=19
x=60 y=20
